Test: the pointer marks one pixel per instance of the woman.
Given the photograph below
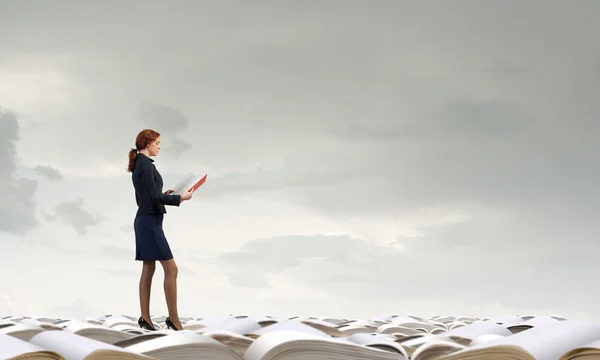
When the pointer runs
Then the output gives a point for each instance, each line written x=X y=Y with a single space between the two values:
x=150 y=241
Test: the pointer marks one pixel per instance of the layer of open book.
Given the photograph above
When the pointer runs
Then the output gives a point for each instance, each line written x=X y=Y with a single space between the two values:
x=547 y=341
x=281 y=338
x=23 y=331
x=101 y=333
x=589 y=351
x=14 y=348
x=72 y=346
x=291 y=344
x=185 y=342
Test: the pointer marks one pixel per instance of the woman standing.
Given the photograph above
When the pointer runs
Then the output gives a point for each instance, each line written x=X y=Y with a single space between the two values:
x=150 y=241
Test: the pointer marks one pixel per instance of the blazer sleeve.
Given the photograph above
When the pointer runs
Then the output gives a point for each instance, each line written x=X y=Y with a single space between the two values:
x=148 y=186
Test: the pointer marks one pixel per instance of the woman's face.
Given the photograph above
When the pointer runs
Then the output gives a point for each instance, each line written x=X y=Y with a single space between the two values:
x=154 y=147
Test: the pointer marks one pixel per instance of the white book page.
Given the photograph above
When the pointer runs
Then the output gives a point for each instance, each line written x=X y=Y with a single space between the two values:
x=176 y=339
x=11 y=347
x=239 y=326
x=259 y=348
x=548 y=341
x=378 y=339
x=78 y=325
x=71 y=346
x=294 y=345
x=186 y=184
x=22 y=327
x=506 y=319
x=286 y=326
x=476 y=329
x=209 y=320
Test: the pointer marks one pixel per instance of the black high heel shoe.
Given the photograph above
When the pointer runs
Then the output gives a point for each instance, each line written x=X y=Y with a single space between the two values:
x=170 y=324
x=144 y=324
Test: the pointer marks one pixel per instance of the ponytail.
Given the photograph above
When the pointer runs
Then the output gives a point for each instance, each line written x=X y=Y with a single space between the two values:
x=142 y=140
x=132 y=156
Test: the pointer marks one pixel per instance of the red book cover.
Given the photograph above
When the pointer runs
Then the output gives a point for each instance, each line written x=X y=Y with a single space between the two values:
x=198 y=184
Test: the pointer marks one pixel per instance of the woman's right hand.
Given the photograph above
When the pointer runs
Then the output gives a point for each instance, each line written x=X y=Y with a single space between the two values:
x=186 y=195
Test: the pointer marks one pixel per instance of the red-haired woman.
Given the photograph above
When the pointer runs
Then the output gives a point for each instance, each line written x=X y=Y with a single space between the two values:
x=150 y=241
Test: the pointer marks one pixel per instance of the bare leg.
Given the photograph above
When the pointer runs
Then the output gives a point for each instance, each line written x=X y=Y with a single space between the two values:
x=145 y=286
x=170 y=286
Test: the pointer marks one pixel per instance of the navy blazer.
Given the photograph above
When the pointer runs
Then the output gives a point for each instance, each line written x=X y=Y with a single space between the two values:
x=148 y=186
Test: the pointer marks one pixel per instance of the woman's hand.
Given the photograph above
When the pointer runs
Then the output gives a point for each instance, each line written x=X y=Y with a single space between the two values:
x=186 y=195
x=168 y=192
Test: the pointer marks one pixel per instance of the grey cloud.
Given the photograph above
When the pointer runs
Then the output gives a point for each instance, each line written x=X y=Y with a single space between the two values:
x=168 y=120
x=249 y=279
x=508 y=69
x=134 y=273
x=17 y=213
x=374 y=126
x=78 y=308
x=118 y=252
x=458 y=121
x=158 y=116
x=9 y=304
x=72 y=213
x=369 y=110
x=122 y=253
x=248 y=71
x=440 y=265
x=52 y=244
x=465 y=154
x=10 y=135
x=178 y=147
x=44 y=242
x=119 y=272
x=184 y=270
x=48 y=216
x=307 y=173
x=106 y=233
x=276 y=95
x=49 y=172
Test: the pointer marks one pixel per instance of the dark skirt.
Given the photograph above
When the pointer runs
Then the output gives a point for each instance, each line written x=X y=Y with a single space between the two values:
x=150 y=241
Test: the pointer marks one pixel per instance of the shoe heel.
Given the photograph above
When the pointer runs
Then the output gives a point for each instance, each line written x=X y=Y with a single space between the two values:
x=144 y=324
x=170 y=324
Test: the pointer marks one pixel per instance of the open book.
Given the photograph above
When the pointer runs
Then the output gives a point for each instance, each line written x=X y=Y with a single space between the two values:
x=298 y=344
x=547 y=341
x=243 y=337
x=17 y=349
x=189 y=183
x=62 y=345
x=185 y=344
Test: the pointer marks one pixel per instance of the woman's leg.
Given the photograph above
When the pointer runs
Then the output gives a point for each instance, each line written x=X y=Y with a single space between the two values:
x=145 y=286
x=170 y=286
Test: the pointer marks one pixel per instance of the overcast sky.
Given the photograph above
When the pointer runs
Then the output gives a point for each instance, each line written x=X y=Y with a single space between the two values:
x=363 y=157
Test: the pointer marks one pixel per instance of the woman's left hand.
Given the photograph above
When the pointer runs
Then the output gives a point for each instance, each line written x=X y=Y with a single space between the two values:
x=169 y=192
